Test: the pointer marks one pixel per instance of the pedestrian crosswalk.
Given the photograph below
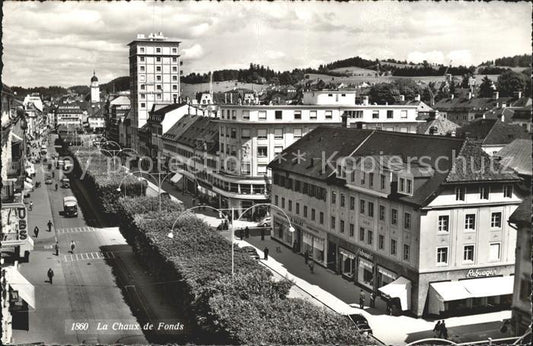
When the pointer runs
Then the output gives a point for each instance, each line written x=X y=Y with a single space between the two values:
x=76 y=230
x=88 y=256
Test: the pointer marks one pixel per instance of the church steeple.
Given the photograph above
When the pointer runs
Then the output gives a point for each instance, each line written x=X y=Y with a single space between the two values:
x=95 y=89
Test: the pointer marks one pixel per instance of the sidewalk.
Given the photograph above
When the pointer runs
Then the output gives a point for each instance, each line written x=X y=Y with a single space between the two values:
x=49 y=298
x=343 y=296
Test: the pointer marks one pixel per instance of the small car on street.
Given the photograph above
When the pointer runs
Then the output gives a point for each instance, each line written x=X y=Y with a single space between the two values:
x=266 y=222
x=360 y=322
x=252 y=252
x=48 y=180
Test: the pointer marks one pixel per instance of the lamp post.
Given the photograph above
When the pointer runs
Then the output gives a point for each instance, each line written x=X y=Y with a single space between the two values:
x=291 y=228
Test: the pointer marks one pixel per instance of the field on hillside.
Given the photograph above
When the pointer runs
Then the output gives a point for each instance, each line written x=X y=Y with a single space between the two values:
x=190 y=90
x=354 y=71
x=386 y=79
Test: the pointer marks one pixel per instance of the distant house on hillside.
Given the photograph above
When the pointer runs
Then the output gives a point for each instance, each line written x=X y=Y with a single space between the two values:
x=437 y=125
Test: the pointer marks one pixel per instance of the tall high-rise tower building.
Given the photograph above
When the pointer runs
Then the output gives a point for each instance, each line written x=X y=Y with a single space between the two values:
x=154 y=77
x=95 y=89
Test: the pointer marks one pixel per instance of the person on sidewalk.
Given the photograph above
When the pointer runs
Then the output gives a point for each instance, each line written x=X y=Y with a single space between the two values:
x=362 y=300
x=312 y=266
x=50 y=274
x=56 y=246
x=72 y=246
x=443 y=330
x=31 y=206
x=56 y=186
x=372 y=299
x=266 y=253
x=306 y=256
x=49 y=225
x=36 y=231
x=436 y=329
x=247 y=232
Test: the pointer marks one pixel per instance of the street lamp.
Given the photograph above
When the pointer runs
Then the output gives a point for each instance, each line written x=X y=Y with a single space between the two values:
x=189 y=212
x=159 y=181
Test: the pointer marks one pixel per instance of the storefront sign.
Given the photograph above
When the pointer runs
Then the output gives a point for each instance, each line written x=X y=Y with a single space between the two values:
x=297 y=221
x=476 y=273
x=363 y=253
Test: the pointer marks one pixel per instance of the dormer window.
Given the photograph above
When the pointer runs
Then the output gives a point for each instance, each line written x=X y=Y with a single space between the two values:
x=459 y=193
x=405 y=185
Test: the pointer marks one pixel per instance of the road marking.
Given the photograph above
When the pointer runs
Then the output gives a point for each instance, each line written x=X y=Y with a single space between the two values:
x=84 y=256
x=76 y=230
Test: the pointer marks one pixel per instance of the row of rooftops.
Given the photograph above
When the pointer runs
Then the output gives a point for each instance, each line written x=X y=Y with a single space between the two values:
x=336 y=143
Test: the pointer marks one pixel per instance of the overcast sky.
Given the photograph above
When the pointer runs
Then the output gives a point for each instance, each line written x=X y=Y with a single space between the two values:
x=56 y=43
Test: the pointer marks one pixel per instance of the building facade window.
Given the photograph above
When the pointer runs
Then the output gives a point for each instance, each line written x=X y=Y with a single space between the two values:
x=312 y=115
x=262 y=134
x=381 y=213
x=362 y=206
x=321 y=218
x=333 y=223
x=370 y=237
x=312 y=214
x=297 y=115
x=333 y=197
x=442 y=255
x=382 y=181
x=496 y=220
x=468 y=253
x=394 y=216
x=278 y=133
x=341 y=226
x=406 y=253
x=361 y=234
x=393 y=247
x=371 y=209
x=297 y=208
x=278 y=115
x=444 y=221
x=470 y=222
x=343 y=200
x=494 y=251
x=381 y=241
x=508 y=191
x=297 y=133
x=407 y=221
x=352 y=230
x=459 y=193
x=262 y=151
x=262 y=115
x=305 y=211
x=329 y=115
x=352 y=203
x=484 y=192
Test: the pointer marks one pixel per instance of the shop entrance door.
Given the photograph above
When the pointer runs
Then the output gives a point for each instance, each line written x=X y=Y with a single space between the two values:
x=332 y=256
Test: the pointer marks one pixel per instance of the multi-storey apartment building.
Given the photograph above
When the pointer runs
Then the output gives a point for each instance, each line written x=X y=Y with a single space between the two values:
x=116 y=110
x=154 y=77
x=410 y=217
x=70 y=114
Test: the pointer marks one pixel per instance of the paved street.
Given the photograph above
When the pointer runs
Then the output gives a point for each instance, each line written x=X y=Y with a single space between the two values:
x=100 y=281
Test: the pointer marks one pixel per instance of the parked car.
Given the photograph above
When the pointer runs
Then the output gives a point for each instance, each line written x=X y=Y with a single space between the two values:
x=65 y=182
x=266 y=222
x=360 y=322
x=48 y=180
x=252 y=252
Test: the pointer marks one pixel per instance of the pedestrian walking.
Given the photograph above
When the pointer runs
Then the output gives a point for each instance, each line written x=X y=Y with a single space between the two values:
x=50 y=274
x=72 y=246
x=56 y=246
x=266 y=253
x=306 y=256
x=436 y=329
x=56 y=186
x=49 y=225
x=247 y=232
x=31 y=205
x=262 y=233
x=444 y=330
x=372 y=300
x=312 y=266
x=36 y=231
x=362 y=300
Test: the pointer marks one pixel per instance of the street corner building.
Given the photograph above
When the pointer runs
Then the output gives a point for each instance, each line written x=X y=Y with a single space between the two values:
x=420 y=220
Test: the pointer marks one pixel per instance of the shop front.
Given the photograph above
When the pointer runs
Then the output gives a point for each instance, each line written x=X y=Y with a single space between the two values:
x=469 y=295
x=348 y=264
x=365 y=270
x=314 y=246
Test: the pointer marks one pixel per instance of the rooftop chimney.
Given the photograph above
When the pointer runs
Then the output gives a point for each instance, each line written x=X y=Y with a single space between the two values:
x=402 y=97
x=495 y=95
x=417 y=97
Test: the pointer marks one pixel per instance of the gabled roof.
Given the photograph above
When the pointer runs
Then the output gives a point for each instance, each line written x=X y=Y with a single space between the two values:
x=474 y=104
x=193 y=131
x=517 y=155
x=472 y=164
x=165 y=109
x=326 y=144
x=492 y=131
x=443 y=126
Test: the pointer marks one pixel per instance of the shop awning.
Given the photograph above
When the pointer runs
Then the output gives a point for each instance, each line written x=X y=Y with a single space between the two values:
x=451 y=290
x=19 y=283
x=347 y=254
x=177 y=177
x=401 y=289
x=27 y=186
x=488 y=287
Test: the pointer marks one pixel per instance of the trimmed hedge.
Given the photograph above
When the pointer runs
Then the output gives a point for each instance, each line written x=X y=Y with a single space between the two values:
x=249 y=307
